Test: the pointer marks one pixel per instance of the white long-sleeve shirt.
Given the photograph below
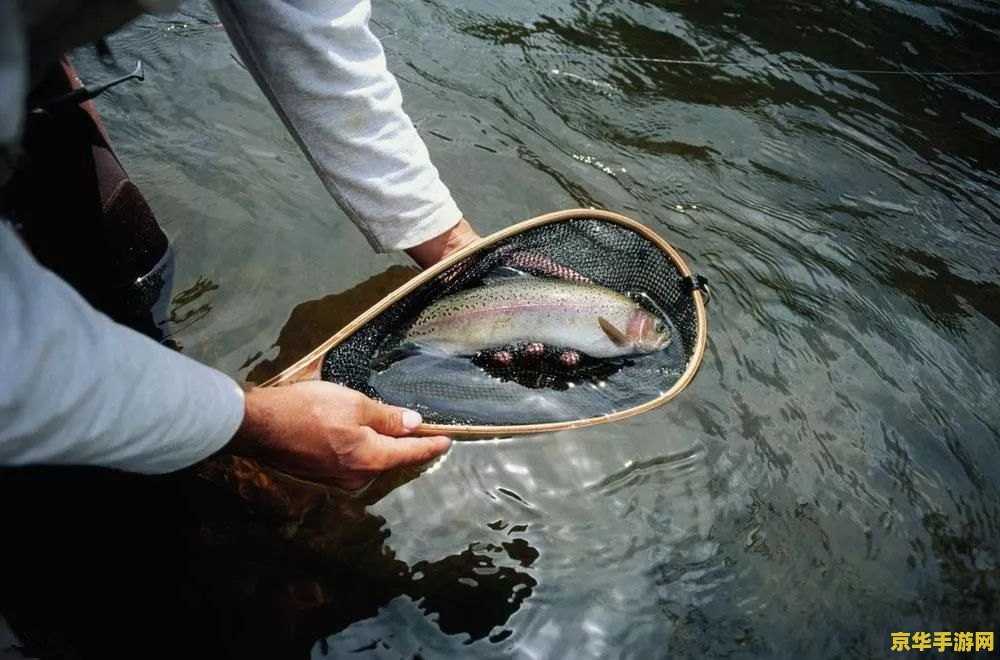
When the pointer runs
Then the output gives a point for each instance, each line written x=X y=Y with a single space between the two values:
x=325 y=73
x=76 y=388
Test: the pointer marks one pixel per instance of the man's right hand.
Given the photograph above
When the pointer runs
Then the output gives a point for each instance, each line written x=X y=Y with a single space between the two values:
x=326 y=431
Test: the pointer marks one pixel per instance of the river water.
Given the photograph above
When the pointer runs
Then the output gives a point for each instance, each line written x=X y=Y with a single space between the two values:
x=829 y=478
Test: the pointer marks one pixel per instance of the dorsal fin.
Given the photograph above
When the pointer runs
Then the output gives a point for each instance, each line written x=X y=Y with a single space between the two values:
x=504 y=274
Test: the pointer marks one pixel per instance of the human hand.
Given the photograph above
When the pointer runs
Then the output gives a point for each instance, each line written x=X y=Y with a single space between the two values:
x=326 y=431
x=430 y=252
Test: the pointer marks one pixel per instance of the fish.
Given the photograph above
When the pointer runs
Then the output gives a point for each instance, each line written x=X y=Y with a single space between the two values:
x=461 y=392
x=582 y=316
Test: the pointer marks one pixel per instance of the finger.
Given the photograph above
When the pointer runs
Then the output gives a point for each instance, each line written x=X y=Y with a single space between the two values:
x=389 y=420
x=354 y=484
x=382 y=452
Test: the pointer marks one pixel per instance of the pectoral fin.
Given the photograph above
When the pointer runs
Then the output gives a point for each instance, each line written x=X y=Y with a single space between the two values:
x=613 y=333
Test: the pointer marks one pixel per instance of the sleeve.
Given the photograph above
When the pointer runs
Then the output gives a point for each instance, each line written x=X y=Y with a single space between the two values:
x=325 y=73
x=13 y=84
x=77 y=388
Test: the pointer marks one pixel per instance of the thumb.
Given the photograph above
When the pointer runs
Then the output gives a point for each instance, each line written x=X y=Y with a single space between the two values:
x=389 y=420
x=383 y=452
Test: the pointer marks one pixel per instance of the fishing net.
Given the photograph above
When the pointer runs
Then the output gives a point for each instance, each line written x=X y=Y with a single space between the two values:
x=524 y=383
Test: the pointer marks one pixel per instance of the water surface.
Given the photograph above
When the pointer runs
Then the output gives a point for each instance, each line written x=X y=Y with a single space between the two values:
x=832 y=474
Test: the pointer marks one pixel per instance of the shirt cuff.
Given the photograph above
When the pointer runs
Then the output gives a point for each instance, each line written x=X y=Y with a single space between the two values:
x=225 y=406
x=398 y=236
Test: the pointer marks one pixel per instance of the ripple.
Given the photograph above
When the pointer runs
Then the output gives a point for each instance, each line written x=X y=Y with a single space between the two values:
x=832 y=472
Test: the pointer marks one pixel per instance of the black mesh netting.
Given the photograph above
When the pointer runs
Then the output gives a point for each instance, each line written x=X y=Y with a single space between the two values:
x=533 y=387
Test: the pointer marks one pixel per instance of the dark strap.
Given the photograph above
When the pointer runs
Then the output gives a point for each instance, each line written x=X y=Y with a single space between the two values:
x=696 y=282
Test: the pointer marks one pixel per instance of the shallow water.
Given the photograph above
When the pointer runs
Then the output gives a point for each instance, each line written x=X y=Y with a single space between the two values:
x=831 y=475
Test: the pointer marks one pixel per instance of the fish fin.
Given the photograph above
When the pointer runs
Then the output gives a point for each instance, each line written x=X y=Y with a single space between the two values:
x=503 y=274
x=382 y=361
x=614 y=334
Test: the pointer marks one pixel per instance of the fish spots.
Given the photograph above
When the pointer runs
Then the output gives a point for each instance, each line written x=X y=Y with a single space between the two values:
x=569 y=359
x=503 y=358
x=528 y=310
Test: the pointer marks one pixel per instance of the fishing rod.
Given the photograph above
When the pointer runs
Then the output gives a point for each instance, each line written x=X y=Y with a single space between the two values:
x=739 y=63
x=88 y=92
x=784 y=67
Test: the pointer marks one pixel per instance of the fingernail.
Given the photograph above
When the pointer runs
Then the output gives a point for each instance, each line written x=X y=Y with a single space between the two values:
x=411 y=419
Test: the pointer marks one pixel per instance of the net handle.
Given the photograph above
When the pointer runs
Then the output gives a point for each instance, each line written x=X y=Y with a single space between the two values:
x=308 y=368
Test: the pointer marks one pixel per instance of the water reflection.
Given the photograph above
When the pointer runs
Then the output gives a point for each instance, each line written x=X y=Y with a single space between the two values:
x=941 y=293
x=556 y=495
x=246 y=562
x=314 y=321
x=328 y=561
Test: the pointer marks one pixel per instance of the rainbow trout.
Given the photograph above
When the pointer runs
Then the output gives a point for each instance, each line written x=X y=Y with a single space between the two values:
x=581 y=316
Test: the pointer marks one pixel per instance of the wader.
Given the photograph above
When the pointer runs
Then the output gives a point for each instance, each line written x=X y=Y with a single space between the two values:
x=81 y=216
x=89 y=557
x=67 y=193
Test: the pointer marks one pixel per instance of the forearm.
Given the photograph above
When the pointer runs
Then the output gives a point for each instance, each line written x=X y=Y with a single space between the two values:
x=77 y=388
x=325 y=73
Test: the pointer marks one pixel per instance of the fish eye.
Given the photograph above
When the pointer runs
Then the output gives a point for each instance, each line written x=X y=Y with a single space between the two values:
x=658 y=326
